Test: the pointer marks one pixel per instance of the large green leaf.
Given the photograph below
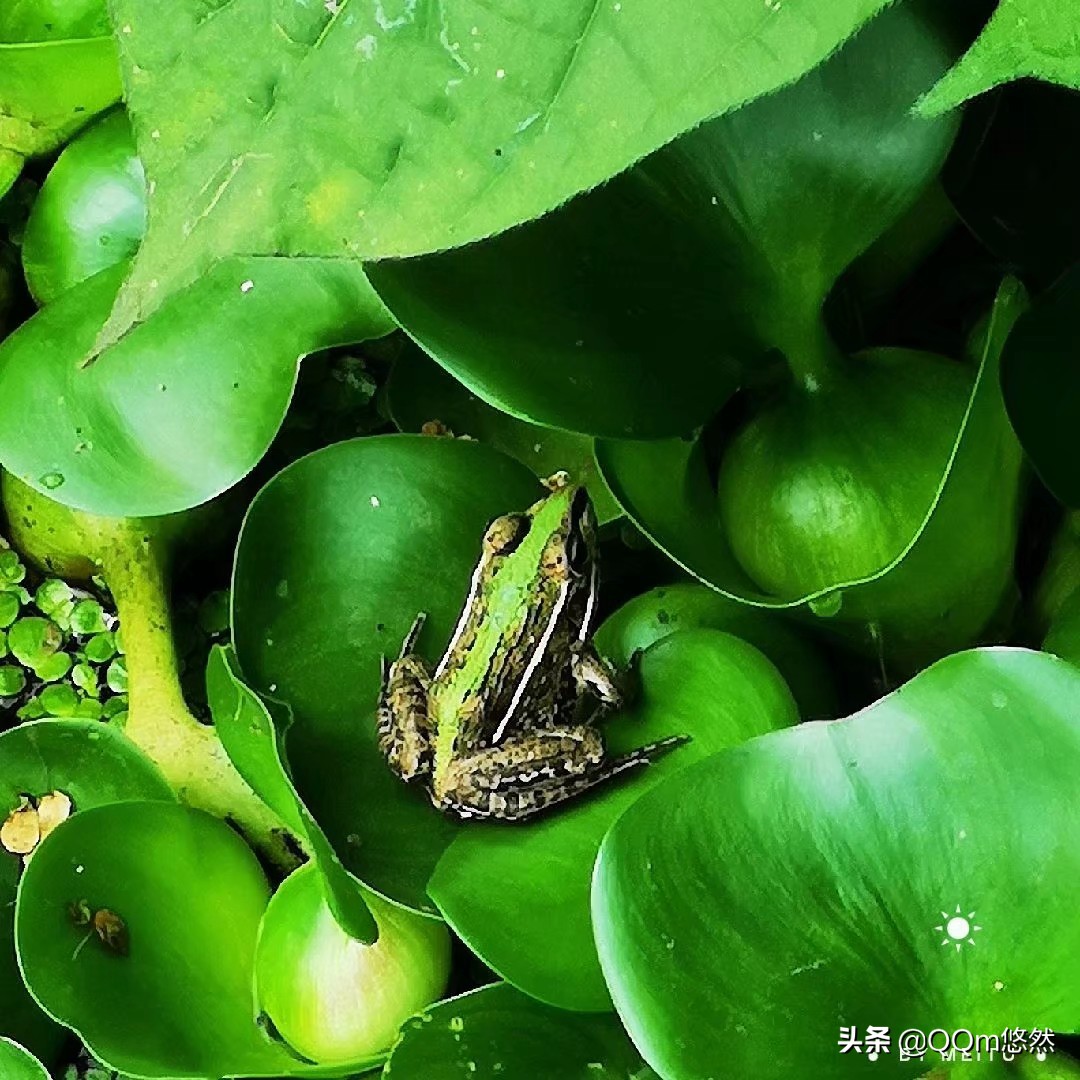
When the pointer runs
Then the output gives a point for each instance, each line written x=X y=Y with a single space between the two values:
x=19 y=1064
x=338 y=554
x=215 y=367
x=93 y=765
x=666 y=487
x=178 y=1002
x=519 y=897
x=475 y=117
x=253 y=738
x=420 y=392
x=816 y=873
x=635 y=311
x=1040 y=380
x=1023 y=39
x=50 y=89
x=498 y=1032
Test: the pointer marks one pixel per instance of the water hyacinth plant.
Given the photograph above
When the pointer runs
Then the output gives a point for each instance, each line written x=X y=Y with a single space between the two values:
x=539 y=541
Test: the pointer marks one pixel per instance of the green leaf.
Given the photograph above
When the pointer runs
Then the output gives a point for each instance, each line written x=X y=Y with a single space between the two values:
x=9 y=608
x=475 y=118
x=100 y=648
x=665 y=610
x=34 y=640
x=519 y=897
x=19 y=1064
x=498 y=1032
x=53 y=20
x=253 y=738
x=90 y=213
x=1023 y=39
x=179 y=1003
x=92 y=765
x=338 y=554
x=50 y=89
x=218 y=361
x=814 y=872
x=666 y=488
x=1041 y=384
x=637 y=310
x=420 y=392
x=12 y=680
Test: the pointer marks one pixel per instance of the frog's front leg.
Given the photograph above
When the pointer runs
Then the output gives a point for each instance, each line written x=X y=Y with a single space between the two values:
x=405 y=735
x=535 y=772
x=595 y=675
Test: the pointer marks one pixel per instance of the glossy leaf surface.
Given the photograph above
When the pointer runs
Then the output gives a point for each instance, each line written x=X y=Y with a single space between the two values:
x=875 y=870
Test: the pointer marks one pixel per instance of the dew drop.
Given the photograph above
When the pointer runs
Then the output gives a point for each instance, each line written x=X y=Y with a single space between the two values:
x=52 y=480
x=825 y=607
x=456 y=1023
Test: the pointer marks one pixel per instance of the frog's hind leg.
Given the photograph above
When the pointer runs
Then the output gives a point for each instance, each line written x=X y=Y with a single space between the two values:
x=404 y=730
x=521 y=778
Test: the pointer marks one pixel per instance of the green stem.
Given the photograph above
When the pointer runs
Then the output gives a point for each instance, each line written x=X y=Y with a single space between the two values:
x=812 y=356
x=132 y=557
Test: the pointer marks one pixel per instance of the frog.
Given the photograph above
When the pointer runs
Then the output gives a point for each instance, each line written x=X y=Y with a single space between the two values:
x=506 y=725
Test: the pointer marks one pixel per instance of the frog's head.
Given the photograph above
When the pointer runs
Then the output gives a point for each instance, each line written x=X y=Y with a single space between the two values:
x=556 y=537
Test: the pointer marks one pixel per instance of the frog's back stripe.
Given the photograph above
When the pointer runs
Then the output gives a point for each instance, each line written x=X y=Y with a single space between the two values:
x=534 y=661
x=467 y=614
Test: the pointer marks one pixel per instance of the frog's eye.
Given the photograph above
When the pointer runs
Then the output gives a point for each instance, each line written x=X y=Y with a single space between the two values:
x=582 y=531
x=505 y=533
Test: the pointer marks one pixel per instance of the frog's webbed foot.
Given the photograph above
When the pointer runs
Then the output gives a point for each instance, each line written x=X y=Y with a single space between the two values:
x=593 y=674
x=405 y=736
x=531 y=774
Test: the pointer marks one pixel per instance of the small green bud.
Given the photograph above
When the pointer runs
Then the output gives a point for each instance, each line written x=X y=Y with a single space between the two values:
x=55 y=599
x=88 y=709
x=116 y=676
x=9 y=608
x=114 y=707
x=100 y=649
x=85 y=678
x=11 y=567
x=59 y=700
x=88 y=618
x=12 y=680
x=54 y=668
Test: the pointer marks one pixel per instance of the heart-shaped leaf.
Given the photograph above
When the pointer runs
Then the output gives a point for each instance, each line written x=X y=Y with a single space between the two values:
x=93 y=765
x=636 y=311
x=519 y=896
x=1023 y=39
x=421 y=393
x=881 y=870
x=19 y=1064
x=501 y=114
x=253 y=739
x=114 y=436
x=338 y=554
x=150 y=960
x=497 y=1031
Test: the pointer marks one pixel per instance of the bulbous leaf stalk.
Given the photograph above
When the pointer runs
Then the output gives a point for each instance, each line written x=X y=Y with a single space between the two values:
x=132 y=556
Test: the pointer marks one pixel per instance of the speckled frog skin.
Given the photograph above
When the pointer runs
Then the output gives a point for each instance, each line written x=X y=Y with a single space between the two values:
x=498 y=730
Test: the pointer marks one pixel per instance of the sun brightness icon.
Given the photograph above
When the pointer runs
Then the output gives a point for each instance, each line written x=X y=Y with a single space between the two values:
x=959 y=929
